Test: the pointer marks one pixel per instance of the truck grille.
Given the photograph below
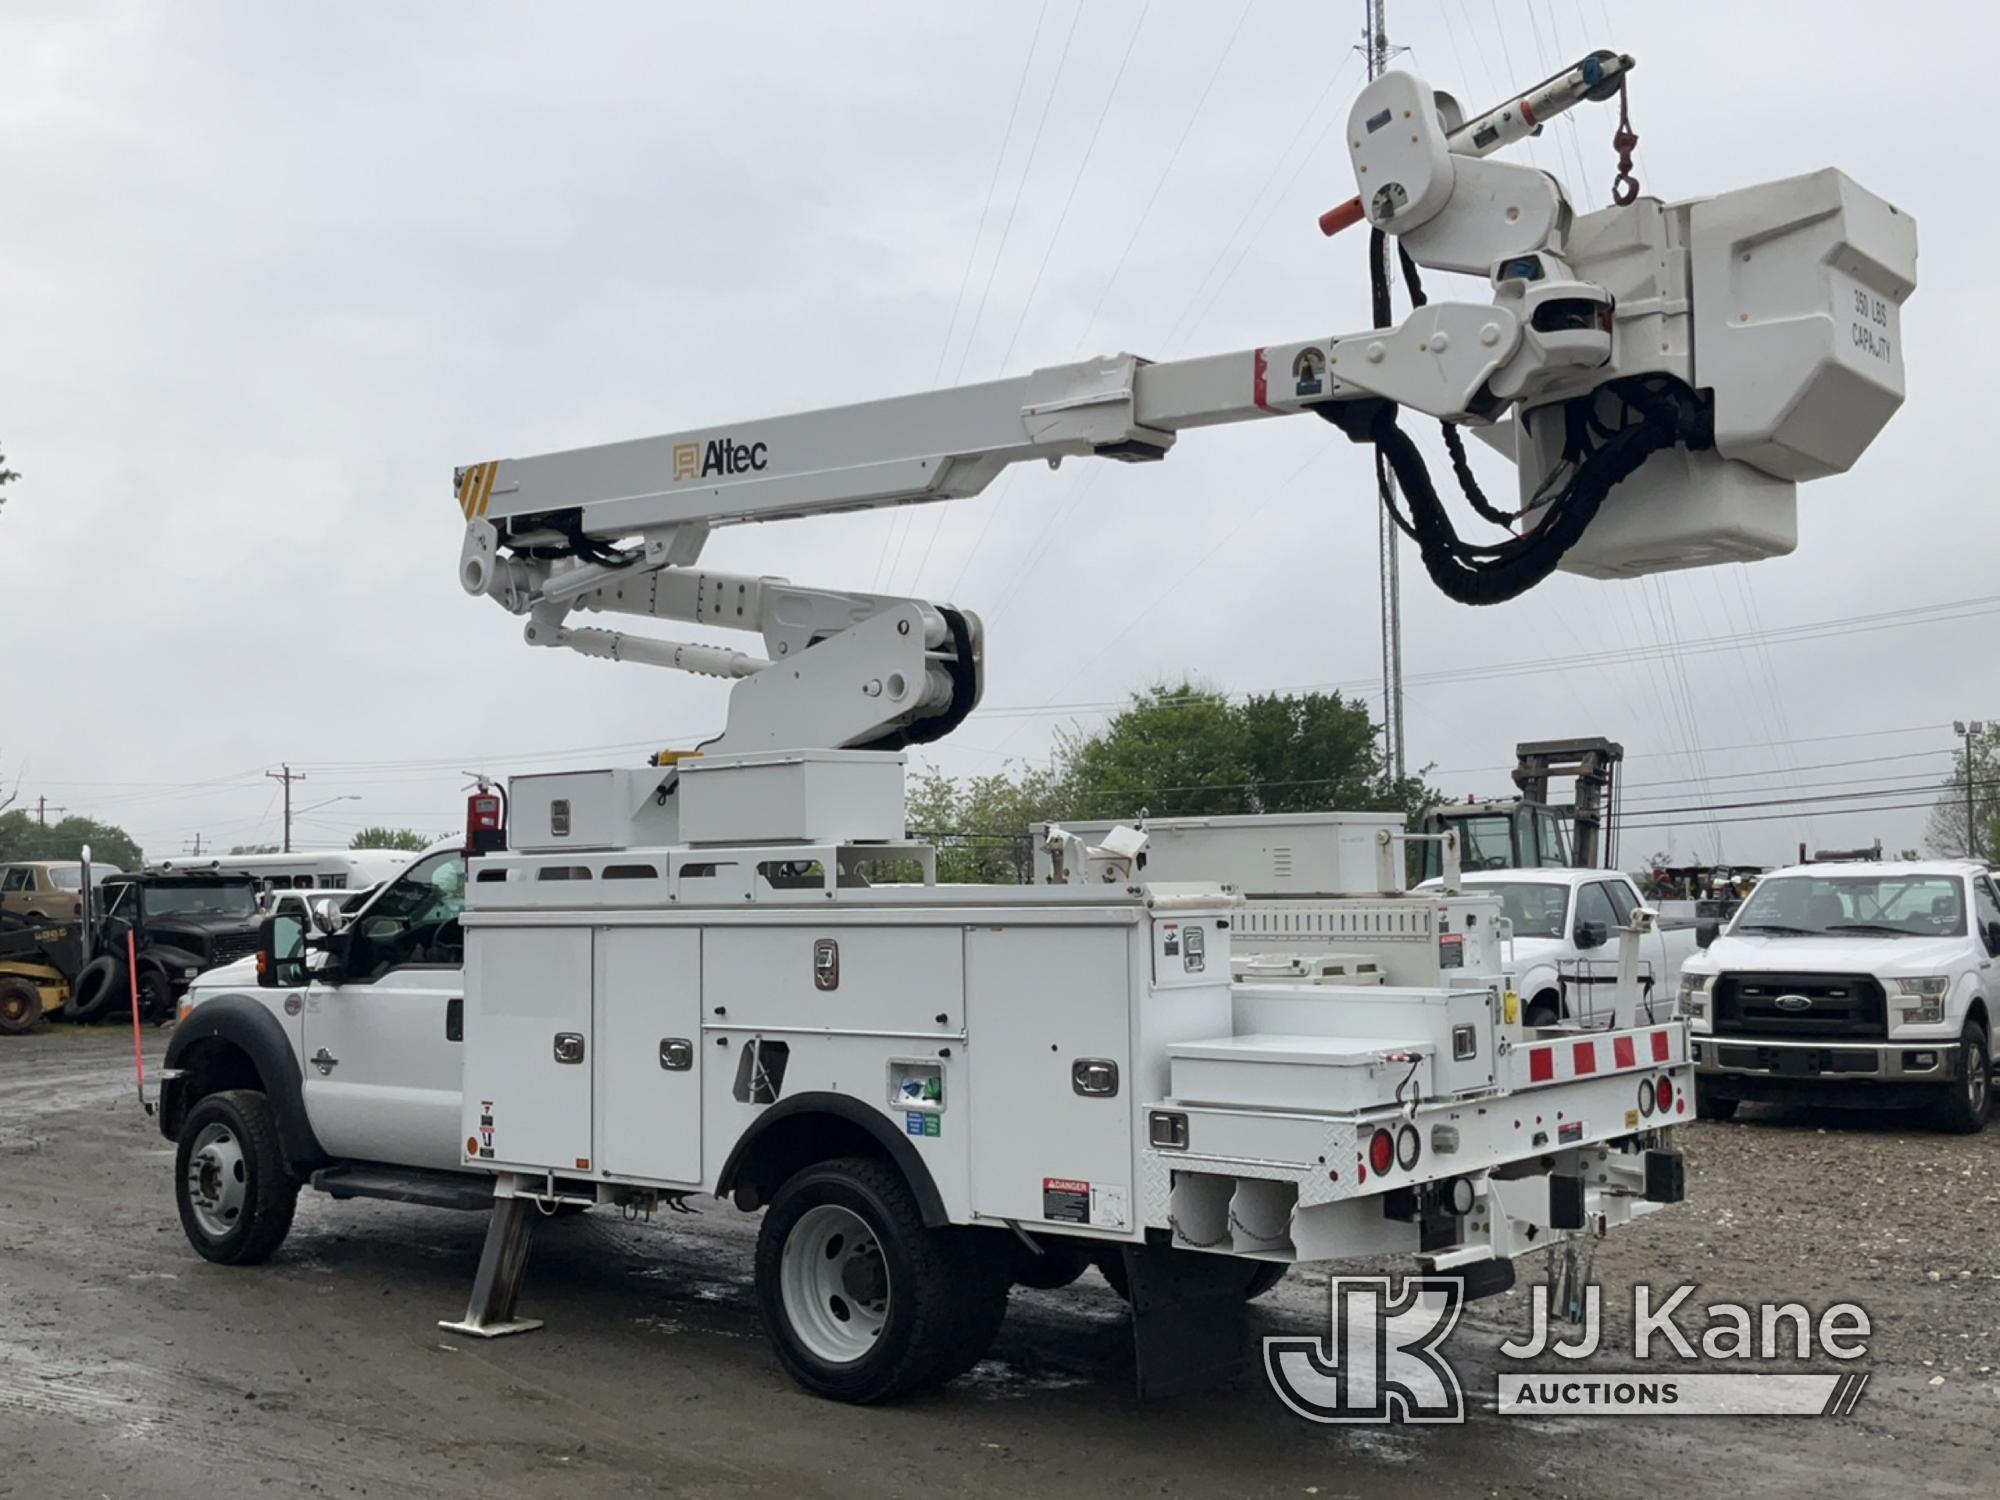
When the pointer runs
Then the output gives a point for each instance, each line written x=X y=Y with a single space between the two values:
x=227 y=947
x=1838 y=1005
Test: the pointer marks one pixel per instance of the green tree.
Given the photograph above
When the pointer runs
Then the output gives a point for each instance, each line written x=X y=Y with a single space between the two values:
x=1177 y=751
x=1946 y=835
x=392 y=838
x=21 y=837
x=1187 y=751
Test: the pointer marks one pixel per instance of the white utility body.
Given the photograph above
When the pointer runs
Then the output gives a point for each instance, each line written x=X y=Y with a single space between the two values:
x=692 y=978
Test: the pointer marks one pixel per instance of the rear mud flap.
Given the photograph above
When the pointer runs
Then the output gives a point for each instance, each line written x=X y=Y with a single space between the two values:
x=1188 y=1319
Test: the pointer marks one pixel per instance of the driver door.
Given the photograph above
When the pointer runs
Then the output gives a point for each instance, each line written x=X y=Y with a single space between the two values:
x=384 y=1052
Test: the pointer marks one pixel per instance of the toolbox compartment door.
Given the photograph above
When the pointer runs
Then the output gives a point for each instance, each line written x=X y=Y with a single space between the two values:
x=649 y=1053
x=529 y=1046
x=1038 y=1001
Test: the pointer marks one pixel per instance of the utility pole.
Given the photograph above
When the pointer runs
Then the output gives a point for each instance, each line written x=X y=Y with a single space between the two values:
x=1375 y=48
x=287 y=775
x=195 y=852
x=1967 y=732
x=42 y=811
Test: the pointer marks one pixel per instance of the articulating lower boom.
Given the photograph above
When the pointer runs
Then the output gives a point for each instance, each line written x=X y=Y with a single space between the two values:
x=1662 y=375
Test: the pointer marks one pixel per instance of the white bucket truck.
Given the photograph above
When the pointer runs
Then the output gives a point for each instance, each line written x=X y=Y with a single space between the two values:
x=681 y=979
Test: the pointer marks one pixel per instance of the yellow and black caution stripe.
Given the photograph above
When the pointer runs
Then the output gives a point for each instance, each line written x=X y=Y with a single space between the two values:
x=475 y=488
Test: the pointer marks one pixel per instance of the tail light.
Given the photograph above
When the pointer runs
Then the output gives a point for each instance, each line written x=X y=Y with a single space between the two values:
x=1381 y=1151
x=485 y=822
x=1647 y=1098
x=1663 y=1094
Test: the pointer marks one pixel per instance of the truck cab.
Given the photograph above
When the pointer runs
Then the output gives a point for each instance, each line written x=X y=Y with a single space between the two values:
x=1565 y=927
x=179 y=926
x=369 y=1044
x=1866 y=984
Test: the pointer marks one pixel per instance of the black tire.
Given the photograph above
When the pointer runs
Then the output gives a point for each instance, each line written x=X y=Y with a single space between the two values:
x=1961 y=1106
x=20 y=1006
x=1267 y=1275
x=1544 y=1010
x=984 y=1280
x=1709 y=1105
x=923 y=1309
x=101 y=984
x=156 y=993
x=265 y=1194
x=1056 y=1267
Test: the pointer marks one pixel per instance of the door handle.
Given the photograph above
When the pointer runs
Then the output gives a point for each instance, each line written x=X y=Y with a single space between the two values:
x=569 y=1047
x=454 y=1019
x=676 y=1054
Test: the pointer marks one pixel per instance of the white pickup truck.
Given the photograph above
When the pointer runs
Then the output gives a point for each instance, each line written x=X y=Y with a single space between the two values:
x=1565 y=924
x=1859 y=983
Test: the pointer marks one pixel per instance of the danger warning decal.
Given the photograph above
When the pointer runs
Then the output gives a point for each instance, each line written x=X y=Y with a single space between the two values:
x=1065 y=1200
x=1069 y=1200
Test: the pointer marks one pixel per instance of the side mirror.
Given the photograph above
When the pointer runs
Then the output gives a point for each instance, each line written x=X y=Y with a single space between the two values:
x=1591 y=934
x=281 y=951
x=1993 y=938
x=1706 y=933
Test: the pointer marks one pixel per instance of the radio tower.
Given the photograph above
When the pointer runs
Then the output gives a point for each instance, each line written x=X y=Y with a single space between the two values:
x=1375 y=47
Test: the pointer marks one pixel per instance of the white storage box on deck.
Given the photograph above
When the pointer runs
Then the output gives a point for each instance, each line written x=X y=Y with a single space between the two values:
x=793 y=796
x=615 y=809
x=1456 y=1026
x=1324 y=1074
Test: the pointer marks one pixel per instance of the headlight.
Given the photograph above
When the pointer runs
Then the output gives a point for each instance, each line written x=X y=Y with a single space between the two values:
x=1694 y=994
x=1921 y=1000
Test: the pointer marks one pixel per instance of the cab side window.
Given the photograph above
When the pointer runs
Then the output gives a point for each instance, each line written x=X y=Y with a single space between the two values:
x=1987 y=905
x=413 y=922
x=15 y=880
x=1594 y=905
x=1622 y=901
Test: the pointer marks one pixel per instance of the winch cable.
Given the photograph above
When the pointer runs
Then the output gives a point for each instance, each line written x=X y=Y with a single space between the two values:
x=1657 y=413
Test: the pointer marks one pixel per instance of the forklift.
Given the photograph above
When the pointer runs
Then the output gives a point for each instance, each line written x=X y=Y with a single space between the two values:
x=1528 y=832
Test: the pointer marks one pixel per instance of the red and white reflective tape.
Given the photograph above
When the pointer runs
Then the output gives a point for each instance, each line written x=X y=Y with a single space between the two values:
x=1595 y=1056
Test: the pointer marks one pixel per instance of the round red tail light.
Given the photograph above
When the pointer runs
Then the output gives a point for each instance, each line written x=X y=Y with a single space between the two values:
x=1663 y=1094
x=1381 y=1151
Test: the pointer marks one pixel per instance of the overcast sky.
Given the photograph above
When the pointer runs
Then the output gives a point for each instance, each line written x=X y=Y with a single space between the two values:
x=268 y=273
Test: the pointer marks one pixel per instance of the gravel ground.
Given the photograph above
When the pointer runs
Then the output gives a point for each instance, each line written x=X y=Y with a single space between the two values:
x=129 y=1368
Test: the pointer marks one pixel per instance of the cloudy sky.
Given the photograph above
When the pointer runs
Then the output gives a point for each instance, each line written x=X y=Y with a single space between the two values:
x=268 y=273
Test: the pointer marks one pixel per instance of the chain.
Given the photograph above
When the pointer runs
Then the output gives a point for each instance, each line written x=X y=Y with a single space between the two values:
x=1624 y=187
x=1187 y=1239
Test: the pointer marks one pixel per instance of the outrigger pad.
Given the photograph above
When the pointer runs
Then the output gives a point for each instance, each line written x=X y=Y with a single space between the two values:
x=503 y=1266
x=1188 y=1318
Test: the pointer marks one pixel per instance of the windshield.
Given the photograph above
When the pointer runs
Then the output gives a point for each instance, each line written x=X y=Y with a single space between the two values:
x=1536 y=909
x=1859 y=905
x=201 y=899
x=70 y=877
x=1485 y=842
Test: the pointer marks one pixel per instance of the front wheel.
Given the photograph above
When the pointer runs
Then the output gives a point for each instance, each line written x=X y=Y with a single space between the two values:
x=20 y=1007
x=230 y=1181
x=860 y=1300
x=156 y=994
x=1961 y=1106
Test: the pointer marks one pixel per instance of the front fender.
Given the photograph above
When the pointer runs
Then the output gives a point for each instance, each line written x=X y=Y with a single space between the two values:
x=239 y=1022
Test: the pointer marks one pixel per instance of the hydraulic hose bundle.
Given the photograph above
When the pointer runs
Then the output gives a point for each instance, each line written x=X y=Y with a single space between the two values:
x=1655 y=413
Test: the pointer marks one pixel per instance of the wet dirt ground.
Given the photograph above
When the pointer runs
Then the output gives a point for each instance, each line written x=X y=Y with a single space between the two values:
x=130 y=1368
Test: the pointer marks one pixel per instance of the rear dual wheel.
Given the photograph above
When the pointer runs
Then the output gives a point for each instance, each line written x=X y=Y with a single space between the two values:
x=863 y=1303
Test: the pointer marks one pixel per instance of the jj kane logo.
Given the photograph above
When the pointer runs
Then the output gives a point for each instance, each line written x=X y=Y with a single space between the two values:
x=1383 y=1359
x=718 y=456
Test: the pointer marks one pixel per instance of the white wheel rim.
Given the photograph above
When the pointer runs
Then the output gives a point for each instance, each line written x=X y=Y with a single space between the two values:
x=835 y=1284
x=218 y=1180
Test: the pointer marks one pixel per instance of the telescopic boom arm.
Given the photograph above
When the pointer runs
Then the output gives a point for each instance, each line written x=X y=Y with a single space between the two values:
x=1662 y=375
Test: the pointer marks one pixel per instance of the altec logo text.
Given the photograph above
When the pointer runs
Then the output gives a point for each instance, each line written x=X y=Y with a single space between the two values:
x=718 y=456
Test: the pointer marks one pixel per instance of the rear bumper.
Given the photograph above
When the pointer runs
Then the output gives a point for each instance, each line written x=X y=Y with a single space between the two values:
x=1731 y=1060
